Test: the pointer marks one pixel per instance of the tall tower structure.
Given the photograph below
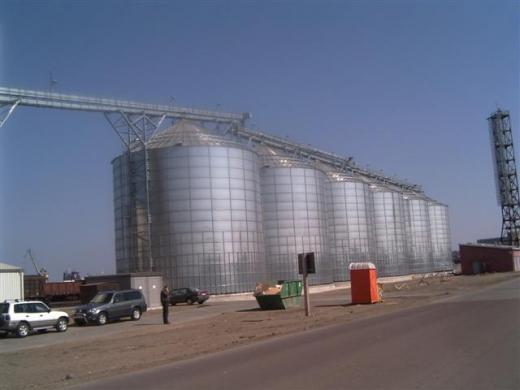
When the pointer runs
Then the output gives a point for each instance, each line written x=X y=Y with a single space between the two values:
x=505 y=175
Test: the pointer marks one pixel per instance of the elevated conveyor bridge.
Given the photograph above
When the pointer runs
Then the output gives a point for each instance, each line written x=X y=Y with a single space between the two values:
x=135 y=123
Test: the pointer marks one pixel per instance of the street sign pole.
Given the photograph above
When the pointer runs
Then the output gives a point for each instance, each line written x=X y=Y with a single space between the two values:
x=306 y=266
x=306 y=288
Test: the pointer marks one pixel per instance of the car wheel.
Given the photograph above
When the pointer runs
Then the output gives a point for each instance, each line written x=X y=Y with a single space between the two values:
x=3 y=334
x=189 y=301
x=23 y=329
x=62 y=325
x=136 y=314
x=174 y=303
x=102 y=318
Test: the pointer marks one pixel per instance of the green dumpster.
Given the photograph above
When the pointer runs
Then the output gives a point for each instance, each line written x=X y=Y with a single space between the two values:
x=279 y=295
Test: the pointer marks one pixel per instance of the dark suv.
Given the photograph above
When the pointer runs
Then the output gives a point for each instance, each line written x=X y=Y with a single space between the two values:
x=188 y=295
x=111 y=305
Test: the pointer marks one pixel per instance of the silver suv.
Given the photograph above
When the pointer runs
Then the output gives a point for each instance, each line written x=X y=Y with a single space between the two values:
x=22 y=317
x=111 y=305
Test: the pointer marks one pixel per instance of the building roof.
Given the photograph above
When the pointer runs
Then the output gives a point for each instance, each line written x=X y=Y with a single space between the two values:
x=8 y=267
x=494 y=246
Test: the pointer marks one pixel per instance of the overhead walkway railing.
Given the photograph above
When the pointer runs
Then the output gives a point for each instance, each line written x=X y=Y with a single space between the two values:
x=134 y=121
x=23 y=97
x=331 y=159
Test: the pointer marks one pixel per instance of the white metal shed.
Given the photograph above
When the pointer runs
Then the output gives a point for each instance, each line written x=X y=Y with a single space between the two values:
x=11 y=282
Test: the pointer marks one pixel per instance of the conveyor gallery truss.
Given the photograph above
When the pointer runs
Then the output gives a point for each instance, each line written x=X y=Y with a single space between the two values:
x=135 y=123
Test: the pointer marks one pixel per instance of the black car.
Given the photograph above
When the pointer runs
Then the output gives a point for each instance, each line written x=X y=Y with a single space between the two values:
x=188 y=295
x=111 y=305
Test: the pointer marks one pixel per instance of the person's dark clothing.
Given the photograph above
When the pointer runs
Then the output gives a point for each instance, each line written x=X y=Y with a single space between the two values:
x=165 y=314
x=165 y=306
x=164 y=298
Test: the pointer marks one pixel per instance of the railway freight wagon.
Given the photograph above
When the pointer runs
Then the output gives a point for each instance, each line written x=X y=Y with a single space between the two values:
x=37 y=287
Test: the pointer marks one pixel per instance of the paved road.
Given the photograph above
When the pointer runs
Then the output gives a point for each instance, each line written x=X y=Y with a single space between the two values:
x=466 y=342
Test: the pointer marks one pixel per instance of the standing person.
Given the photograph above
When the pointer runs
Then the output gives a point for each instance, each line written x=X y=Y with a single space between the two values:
x=165 y=302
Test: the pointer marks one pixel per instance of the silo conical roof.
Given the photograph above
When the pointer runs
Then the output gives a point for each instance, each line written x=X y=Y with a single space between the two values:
x=275 y=157
x=187 y=133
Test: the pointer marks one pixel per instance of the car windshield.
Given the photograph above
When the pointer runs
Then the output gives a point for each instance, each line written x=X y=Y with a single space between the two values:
x=4 y=308
x=102 y=298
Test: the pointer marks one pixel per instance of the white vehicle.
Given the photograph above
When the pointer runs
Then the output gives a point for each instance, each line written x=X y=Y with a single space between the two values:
x=23 y=317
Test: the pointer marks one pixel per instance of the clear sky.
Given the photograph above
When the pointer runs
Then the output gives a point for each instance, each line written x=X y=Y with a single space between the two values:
x=403 y=86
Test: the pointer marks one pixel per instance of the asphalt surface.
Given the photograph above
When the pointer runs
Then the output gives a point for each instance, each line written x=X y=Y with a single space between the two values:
x=470 y=341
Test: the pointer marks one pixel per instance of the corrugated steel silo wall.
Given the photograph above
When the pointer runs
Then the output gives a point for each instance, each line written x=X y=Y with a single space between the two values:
x=132 y=254
x=419 y=236
x=120 y=170
x=208 y=225
x=295 y=221
x=440 y=236
x=391 y=255
x=206 y=217
x=351 y=225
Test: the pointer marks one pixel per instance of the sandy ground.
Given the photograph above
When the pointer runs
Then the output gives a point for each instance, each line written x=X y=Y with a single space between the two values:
x=151 y=345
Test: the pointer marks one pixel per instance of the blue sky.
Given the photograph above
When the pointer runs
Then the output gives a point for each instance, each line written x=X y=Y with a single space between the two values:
x=403 y=86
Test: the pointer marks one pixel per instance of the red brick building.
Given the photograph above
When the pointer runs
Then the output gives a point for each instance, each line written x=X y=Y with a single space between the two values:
x=479 y=258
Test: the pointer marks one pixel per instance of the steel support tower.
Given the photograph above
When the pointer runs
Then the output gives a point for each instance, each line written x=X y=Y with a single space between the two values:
x=505 y=175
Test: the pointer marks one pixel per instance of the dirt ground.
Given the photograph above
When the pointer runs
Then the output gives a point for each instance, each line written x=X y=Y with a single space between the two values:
x=75 y=362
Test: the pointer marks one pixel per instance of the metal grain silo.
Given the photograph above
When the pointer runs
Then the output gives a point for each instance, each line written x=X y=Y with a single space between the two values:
x=418 y=234
x=125 y=240
x=205 y=210
x=390 y=257
x=294 y=214
x=350 y=221
x=440 y=236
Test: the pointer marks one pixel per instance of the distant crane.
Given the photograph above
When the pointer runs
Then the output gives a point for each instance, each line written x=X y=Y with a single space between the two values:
x=39 y=271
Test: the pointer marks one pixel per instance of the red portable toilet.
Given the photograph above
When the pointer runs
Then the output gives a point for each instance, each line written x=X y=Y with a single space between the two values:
x=363 y=283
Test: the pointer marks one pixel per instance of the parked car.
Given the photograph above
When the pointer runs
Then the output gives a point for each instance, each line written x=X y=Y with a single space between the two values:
x=24 y=317
x=111 y=305
x=188 y=295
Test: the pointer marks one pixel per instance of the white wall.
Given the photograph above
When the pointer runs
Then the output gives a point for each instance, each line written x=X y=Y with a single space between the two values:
x=11 y=285
x=151 y=287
